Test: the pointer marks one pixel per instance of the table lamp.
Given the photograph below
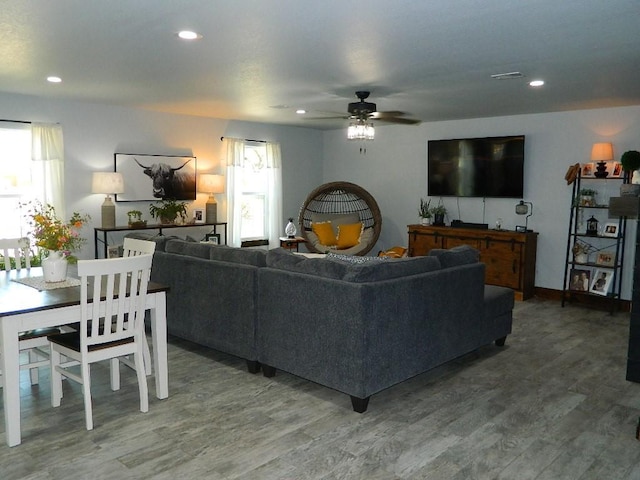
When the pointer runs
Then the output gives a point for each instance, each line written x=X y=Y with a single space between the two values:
x=108 y=183
x=211 y=184
x=524 y=208
x=601 y=153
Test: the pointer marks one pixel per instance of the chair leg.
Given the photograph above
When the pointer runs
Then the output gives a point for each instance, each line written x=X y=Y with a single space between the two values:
x=86 y=390
x=33 y=372
x=142 y=381
x=115 y=374
x=56 y=378
x=148 y=364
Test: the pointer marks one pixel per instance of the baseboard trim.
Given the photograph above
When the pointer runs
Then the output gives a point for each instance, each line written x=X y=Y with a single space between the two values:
x=586 y=300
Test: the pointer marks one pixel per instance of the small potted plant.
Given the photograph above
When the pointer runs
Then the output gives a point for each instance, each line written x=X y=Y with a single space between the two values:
x=438 y=212
x=630 y=161
x=168 y=210
x=424 y=212
x=587 y=197
x=135 y=219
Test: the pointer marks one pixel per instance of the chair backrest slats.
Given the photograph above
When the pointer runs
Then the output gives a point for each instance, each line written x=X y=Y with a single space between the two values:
x=115 y=308
x=134 y=246
x=16 y=249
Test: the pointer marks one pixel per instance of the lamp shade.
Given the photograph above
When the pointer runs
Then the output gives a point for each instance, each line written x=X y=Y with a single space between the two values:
x=107 y=183
x=210 y=183
x=602 y=152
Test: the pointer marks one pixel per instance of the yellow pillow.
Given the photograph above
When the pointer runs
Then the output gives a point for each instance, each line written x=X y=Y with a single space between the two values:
x=324 y=232
x=349 y=235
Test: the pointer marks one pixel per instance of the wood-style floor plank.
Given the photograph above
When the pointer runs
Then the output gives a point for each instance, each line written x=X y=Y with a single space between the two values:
x=552 y=404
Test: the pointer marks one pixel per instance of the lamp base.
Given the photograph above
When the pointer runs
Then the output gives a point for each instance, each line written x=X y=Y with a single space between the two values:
x=211 y=212
x=108 y=213
x=601 y=170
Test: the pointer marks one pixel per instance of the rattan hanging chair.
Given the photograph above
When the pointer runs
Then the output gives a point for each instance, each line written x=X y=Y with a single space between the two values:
x=341 y=198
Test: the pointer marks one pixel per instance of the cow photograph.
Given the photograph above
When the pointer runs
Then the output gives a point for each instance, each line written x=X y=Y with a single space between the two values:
x=156 y=177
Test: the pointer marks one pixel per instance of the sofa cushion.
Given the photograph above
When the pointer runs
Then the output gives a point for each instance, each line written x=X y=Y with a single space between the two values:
x=349 y=234
x=160 y=240
x=325 y=233
x=460 y=255
x=191 y=249
x=246 y=256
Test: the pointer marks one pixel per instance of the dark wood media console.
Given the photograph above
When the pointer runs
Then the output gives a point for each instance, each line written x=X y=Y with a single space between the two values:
x=510 y=257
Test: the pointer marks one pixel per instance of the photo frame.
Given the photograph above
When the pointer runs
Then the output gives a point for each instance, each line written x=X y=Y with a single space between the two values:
x=579 y=280
x=601 y=281
x=610 y=230
x=114 y=251
x=615 y=170
x=198 y=215
x=156 y=177
x=605 y=258
x=212 y=238
x=588 y=170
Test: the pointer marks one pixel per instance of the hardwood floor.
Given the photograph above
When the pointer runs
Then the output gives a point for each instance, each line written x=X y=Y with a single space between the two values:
x=552 y=404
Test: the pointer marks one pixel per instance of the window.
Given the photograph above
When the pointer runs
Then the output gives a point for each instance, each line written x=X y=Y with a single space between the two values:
x=254 y=185
x=20 y=178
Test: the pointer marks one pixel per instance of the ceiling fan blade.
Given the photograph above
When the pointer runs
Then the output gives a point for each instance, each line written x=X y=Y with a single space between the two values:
x=404 y=121
x=393 y=113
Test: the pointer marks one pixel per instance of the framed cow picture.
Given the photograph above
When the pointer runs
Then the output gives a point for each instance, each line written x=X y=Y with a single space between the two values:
x=156 y=177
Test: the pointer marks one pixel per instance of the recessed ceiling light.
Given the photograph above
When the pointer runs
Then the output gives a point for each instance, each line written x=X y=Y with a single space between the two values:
x=54 y=79
x=189 y=35
x=536 y=83
x=301 y=111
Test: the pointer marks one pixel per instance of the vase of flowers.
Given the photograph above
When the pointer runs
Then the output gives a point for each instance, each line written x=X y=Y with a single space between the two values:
x=59 y=239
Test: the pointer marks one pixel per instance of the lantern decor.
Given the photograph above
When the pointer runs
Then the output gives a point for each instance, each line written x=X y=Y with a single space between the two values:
x=592 y=226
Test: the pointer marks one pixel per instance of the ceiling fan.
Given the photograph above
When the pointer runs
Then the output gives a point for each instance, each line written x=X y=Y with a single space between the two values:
x=363 y=110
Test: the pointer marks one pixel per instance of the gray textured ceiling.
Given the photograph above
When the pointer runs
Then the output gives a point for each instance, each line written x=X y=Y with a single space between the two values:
x=259 y=60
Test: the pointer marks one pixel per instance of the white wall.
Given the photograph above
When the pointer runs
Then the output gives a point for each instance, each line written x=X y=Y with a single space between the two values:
x=93 y=133
x=394 y=171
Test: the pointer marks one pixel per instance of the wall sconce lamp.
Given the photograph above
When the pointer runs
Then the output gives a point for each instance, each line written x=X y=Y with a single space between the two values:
x=524 y=208
x=108 y=183
x=211 y=184
x=601 y=153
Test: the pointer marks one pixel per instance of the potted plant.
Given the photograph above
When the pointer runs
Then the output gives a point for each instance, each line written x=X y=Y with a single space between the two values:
x=587 y=197
x=167 y=210
x=135 y=219
x=438 y=212
x=581 y=251
x=424 y=212
x=630 y=161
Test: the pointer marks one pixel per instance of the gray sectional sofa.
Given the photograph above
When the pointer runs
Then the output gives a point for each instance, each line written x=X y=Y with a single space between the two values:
x=362 y=327
x=355 y=327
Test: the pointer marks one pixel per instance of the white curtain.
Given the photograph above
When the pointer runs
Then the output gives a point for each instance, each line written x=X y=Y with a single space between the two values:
x=235 y=163
x=47 y=147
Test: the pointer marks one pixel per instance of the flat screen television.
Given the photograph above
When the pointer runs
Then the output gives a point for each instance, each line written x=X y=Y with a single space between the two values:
x=476 y=167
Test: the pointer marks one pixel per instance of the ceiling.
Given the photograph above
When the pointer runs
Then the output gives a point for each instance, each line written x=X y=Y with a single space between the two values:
x=260 y=60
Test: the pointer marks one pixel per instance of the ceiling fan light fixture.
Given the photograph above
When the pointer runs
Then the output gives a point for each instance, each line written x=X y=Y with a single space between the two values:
x=360 y=129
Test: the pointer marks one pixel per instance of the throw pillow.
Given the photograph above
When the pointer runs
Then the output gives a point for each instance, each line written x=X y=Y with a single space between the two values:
x=349 y=234
x=324 y=232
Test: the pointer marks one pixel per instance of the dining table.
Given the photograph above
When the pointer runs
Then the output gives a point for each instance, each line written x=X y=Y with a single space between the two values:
x=28 y=303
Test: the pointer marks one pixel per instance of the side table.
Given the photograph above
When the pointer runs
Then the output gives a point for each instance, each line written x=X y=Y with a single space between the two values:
x=291 y=243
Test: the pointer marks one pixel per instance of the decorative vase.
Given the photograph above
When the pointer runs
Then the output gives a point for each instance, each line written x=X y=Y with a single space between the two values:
x=581 y=258
x=425 y=221
x=54 y=267
x=290 y=230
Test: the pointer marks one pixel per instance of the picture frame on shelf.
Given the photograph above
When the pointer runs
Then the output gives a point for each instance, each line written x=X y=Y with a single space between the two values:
x=212 y=238
x=615 y=170
x=601 y=281
x=605 y=258
x=610 y=229
x=114 y=251
x=198 y=215
x=588 y=170
x=580 y=279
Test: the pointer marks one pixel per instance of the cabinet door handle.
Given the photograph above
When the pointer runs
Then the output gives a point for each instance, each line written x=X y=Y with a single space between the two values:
x=514 y=266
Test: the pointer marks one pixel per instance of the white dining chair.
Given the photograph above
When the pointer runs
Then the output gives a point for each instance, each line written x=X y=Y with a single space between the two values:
x=15 y=255
x=109 y=328
x=132 y=247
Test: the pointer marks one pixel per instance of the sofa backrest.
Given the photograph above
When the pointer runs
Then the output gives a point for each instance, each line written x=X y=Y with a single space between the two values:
x=351 y=269
x=222 y=253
